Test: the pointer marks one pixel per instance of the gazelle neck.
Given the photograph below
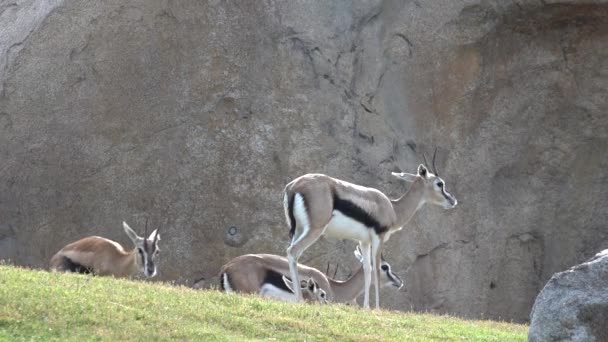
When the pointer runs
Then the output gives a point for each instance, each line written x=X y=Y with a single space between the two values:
x=131 y=262
x=347 y=290
x=406 y=206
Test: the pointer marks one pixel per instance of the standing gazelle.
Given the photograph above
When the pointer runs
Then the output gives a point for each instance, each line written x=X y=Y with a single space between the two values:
x=101 y=256
x=316 y=204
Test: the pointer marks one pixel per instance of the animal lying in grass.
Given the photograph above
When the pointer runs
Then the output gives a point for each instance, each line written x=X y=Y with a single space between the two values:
x=265 y=274
x=253 y=273
x=101 y=256
x=349 y=290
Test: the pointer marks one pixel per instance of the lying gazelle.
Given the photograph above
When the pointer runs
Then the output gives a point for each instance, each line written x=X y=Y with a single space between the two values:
x=316 y=204
x=348 y=291
x=255 y=273
x=312 y=292
x=101 y=256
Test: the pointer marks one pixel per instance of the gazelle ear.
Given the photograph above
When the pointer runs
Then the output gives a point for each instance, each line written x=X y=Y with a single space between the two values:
x=422 y=170
x=408 y=177
x=132 y=235
x=153 y=235
x=310 y=284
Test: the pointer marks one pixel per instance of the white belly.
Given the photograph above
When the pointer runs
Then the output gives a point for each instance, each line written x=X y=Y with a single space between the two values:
x=343 y=227
x=271 y=291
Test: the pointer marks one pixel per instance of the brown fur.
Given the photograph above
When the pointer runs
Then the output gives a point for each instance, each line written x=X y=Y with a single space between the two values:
x=102 y=256
x=106 y=257
x=246 y=273
x=367 y=204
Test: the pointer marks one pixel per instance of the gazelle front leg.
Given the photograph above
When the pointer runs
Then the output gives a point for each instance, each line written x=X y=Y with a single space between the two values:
x=375 y=254
x=367 y=272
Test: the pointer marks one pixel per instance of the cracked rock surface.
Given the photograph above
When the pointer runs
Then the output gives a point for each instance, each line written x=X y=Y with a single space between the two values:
x=196 y=114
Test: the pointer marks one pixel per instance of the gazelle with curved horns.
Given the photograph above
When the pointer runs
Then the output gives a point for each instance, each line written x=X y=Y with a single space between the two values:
x=317 y=204
x=101 y=256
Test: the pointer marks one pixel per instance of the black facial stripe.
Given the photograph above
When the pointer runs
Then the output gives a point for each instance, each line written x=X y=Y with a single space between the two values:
x=448 y=197
x=149 y=247
x=355 y=212
x=276 y=279
x=142 y=254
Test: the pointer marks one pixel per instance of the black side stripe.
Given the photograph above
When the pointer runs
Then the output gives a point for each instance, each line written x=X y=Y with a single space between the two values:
x=276 y=279
x=292 y=219
x=355 y=212
x=70 y=265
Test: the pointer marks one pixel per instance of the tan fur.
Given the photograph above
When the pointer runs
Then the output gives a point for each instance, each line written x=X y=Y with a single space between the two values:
x=103 y=256
x=246 y=273
x=347 y=291
x=318 y=192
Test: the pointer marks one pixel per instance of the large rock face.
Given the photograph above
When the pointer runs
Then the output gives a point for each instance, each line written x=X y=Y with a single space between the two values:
x=197 y=113
x=573 y=306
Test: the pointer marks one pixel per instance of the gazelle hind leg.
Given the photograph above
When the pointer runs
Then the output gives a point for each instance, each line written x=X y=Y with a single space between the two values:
x=304 y=237
x=367 y=272
x=294 y=252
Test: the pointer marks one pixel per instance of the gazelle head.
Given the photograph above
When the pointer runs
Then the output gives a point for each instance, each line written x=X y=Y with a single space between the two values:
x=387 y=277
x=147 y=249
x=433 y=185
x=310 y=290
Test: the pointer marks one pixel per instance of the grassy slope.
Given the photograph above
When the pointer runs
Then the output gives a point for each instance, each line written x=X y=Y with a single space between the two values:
x=37 y=305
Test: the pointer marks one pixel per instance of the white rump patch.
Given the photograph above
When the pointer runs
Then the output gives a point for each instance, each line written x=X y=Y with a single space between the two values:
x=286 y=208
x=271 y=291
x=227 y=287
x=299 y=212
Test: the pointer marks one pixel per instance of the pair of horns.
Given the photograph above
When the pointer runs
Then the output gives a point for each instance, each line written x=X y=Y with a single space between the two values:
x=146 y=231
x=427 y=163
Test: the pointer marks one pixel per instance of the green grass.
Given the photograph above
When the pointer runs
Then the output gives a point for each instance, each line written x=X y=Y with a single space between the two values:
x=43 y=306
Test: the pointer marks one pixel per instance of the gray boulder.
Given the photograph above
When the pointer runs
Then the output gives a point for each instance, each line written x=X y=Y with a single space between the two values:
x=573 y=306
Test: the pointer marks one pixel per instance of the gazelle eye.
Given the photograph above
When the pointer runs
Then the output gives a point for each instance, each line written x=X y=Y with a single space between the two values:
x=384 y=267
x=322 y=295
x=440 y=184
x=141 y=251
